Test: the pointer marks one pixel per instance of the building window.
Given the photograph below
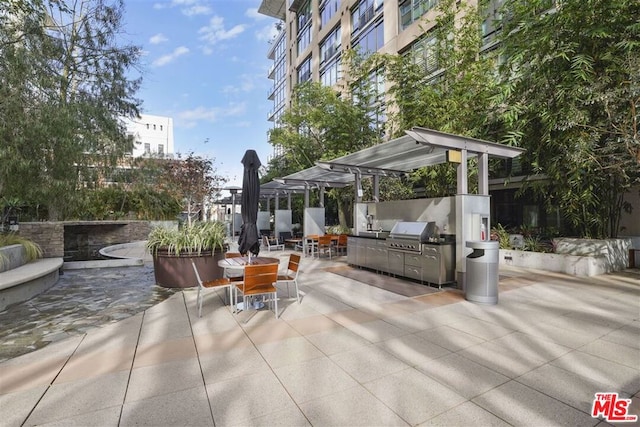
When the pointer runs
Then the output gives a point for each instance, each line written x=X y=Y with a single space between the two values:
x=304 y=70
x=304 y=39
x=160 y=148
x=374 y=92
x=330 y=72
x=411 y=11
x=371 y=40
x=330 y=46
x=492 y=22
x=425 y=53
x=304 y=15
x=364 y=13
x=160 y=127
x=375 y=87
x=147 y=125
x=147 y=148
x=330 y=58
x=154 y=127
x=304 y=27
x=328 y=8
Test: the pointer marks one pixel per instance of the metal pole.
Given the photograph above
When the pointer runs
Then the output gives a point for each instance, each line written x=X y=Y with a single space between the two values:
x=376 y=188
x=463 y=184
x=233 y=216
x=483 y=174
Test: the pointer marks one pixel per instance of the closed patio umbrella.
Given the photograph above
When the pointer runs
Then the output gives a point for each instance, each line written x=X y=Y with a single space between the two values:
x=249 y=240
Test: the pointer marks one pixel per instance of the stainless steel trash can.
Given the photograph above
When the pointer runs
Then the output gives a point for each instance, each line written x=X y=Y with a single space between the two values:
x=482 y=272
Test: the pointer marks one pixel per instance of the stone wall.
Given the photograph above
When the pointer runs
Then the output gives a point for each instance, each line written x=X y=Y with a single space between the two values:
x=49 y=235
x=80 y=240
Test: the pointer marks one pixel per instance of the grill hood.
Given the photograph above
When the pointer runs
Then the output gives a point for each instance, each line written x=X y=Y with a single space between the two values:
x=419 y=231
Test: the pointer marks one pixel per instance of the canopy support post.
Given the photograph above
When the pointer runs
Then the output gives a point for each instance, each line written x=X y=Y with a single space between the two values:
x=483 y=174
x=462 y=169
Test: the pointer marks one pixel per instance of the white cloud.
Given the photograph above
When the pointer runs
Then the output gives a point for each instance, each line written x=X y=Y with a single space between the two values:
x=184 y=2
x=197 y=9
x=247 y=84
x=187 y=7
x=253 y=14
x=158 y=38
x=215 y=31
x=191 y=118
x=267 y=33
x=166 y=59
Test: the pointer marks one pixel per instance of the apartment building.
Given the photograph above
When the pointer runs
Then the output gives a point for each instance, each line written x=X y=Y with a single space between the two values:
x=153 y=135
x=315 y=33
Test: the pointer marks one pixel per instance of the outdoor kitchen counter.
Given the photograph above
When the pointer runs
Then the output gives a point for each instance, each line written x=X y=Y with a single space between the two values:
x=434 y=264
x=446 y=242
x=369 y=236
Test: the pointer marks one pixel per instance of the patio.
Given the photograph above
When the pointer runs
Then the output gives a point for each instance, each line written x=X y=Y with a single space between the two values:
x=349 y=354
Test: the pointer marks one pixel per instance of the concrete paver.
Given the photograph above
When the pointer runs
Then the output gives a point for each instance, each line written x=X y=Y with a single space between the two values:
x=339 y=358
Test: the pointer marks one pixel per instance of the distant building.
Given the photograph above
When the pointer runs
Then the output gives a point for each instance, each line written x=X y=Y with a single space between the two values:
x=153 y=134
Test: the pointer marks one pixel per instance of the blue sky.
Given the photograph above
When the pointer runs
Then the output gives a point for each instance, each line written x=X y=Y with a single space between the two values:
x=205 y=65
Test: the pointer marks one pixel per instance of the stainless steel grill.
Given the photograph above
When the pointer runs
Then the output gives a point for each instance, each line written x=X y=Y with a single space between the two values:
x=408 y=236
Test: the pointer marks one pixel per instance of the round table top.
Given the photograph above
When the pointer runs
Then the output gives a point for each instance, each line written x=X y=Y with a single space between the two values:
x=241 y=262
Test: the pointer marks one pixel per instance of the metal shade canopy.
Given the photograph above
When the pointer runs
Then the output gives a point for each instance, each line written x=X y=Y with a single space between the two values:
x=317 y=177
x=390 y=158
x=443 y=140
x=420 y=147
x=273 y=188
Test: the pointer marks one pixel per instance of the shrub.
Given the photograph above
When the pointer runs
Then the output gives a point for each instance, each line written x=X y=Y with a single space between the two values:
x=32 y=249
x=201 y=236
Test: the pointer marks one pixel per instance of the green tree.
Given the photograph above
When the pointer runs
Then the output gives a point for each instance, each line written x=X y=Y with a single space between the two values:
x=194 y=180
x=64 y=89
x=570 y=96
x=445 y=83
x=321 y=125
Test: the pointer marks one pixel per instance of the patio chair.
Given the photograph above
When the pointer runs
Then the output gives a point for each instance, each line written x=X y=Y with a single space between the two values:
x=291 y=275
x=284 y=236
x=341 y=247
x=272 y=244
x=325 y=245
x=222 y=282
x=234 y=275
x=259 y=279
x=310 y=245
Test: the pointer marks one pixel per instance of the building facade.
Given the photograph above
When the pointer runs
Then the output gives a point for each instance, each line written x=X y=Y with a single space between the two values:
x=315 y=33
x=153 y=136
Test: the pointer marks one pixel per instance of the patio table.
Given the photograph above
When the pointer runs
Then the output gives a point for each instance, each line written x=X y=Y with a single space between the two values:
x=239 y=263
x=293 y=242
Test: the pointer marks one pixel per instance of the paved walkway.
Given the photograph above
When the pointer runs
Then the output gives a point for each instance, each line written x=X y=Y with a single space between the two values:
x=348 y=354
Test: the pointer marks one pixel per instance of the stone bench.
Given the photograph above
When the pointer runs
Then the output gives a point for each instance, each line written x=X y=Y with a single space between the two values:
x=28 y=280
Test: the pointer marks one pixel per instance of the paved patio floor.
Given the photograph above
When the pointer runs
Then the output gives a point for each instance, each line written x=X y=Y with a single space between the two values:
x=348 y=354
